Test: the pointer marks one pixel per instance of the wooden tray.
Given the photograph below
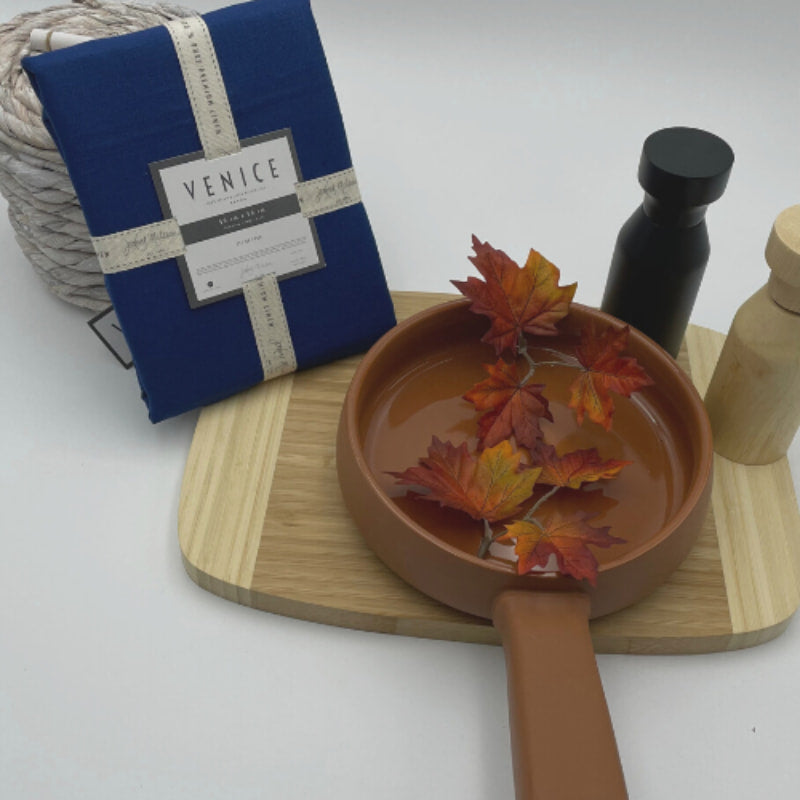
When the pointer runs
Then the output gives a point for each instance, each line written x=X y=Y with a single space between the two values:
x=261 y=522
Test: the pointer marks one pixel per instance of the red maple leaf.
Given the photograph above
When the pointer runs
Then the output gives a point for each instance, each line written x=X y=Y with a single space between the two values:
x=516 y=299
x=574 y=469
x=567 y=537
x=491 y=486
x=512 y=407
x=604 y=371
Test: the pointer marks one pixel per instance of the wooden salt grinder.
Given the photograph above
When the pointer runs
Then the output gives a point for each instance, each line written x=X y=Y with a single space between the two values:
x=753 y=399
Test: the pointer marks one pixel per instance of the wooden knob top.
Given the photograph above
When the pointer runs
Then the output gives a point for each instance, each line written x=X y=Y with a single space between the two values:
x=783 y=257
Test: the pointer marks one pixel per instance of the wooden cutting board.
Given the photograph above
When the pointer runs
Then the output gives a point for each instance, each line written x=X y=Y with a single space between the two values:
x=261 y=522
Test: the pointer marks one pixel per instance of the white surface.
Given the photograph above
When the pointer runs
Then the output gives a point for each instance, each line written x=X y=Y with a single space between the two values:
x=521 y=123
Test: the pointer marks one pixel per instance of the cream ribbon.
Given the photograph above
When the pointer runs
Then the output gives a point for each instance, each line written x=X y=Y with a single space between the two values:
x=204 y=85
x=328 y=193
x=136 y=247
x=270 y=328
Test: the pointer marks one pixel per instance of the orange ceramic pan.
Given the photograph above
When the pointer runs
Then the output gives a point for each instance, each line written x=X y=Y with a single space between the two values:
x=409 y=387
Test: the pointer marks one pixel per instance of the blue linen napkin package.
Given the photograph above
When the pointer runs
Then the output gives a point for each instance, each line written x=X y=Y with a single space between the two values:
x=122 y=113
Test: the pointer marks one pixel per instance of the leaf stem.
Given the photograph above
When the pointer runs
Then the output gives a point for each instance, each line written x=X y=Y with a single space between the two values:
x=486 y=541
x=489 y=537
x=537 y=505
x=522 y=349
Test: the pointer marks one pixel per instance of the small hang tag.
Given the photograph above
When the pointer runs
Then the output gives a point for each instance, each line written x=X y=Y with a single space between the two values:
x=107 y=328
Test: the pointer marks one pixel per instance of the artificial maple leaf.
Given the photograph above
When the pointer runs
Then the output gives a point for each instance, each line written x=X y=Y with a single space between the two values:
x=511 y=406
x=604 y=371
x=567 y=537
x=490 y=486
x=573 y=469
x=516 y=299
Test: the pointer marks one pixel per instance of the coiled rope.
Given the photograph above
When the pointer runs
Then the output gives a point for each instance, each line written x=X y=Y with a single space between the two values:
x=44 y=212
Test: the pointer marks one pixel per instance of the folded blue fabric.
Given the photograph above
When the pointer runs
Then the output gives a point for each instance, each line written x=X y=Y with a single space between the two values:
x=114 y=106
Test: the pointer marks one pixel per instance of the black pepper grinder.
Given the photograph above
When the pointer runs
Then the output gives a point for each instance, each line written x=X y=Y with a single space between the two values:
x=662 y=250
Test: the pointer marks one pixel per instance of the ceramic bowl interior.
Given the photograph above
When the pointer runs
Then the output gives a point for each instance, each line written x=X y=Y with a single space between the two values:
x=410 y=387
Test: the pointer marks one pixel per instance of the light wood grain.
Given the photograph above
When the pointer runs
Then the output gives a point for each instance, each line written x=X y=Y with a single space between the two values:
x=759 y=526
x=262 y=522
x=227 y=485
x=753 y=397
x=782 y=254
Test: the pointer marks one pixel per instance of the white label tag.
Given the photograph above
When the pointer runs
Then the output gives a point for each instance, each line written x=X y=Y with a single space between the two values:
x=239 y=216
x=106 y=326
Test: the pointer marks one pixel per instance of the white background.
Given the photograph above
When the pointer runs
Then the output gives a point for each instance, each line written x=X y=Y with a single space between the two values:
x=521 y=123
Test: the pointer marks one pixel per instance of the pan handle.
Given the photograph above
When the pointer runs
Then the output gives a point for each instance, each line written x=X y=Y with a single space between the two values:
x=562 y=739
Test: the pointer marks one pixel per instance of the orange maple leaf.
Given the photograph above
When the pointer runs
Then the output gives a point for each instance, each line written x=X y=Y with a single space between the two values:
x=511 y=407
x=567 y=537
x=490 y=486
x=574 y=469
x=604 y=371
x=515 y=298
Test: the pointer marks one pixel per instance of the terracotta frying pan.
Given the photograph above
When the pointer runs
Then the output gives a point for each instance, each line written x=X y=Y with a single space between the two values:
x=407 y=388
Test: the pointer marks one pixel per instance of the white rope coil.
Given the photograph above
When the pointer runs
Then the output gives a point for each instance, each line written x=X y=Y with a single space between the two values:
x=47 y=219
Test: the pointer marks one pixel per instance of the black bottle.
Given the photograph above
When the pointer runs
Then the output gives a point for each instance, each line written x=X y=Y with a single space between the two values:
x=662 y=250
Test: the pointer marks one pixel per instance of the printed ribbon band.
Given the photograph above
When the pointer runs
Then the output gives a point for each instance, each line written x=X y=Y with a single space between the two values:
x=136 y=247
x=204 y=85
x=270 y=328
x=328 y=193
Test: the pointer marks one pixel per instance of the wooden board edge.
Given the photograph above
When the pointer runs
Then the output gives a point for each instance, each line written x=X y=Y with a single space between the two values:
x=477 y=632
x=244 y=434
x=686 y=645
x=759 y=540
x=406 y=304
x=469 y=632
